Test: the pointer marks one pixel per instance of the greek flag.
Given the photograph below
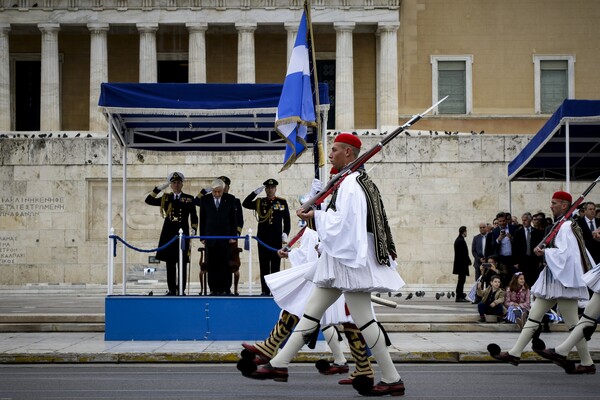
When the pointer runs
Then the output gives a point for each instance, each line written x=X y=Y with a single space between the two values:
x=296 y=109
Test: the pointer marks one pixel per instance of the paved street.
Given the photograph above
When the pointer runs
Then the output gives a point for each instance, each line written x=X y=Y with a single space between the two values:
x=224 y=382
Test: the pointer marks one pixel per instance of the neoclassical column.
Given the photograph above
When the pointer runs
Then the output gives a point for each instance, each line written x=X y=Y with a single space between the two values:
x=246 y=65
x=148 y=67
x=387 y=90
x=344 y=76
x=98 y=73
x=4 y=78
x=50 y=79
x=292 y=31
x=197 y=52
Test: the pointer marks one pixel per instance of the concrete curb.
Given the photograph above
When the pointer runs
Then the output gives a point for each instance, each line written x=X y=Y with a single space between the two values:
x=228 y=357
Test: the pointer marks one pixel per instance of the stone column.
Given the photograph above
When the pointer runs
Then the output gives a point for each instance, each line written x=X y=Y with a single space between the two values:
x=344 y=76
x=292 y=32
x=98 y=73
x=4 y=78
x=387 y=90
x=148 y=67
x=197 y=52
x=246 y=65
x=50 y=79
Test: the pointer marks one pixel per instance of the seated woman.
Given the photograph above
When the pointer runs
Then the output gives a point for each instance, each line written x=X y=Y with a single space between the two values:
x=517 y=301
x=491 y=268
x=492 y=299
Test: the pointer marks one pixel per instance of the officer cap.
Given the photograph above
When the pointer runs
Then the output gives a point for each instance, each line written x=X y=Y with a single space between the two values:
x=176 y=176
x=270 y=182
x=225 y=179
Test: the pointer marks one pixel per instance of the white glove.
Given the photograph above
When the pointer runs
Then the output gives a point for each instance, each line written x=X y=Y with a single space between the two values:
x=259 y=189
x=284 y=237
x=163 y=186
x=193 y=232
x=315 y=187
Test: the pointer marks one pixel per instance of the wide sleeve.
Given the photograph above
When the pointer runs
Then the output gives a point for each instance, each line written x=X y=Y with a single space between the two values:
x=343 y=231
x=564 y=260
x=306 y=252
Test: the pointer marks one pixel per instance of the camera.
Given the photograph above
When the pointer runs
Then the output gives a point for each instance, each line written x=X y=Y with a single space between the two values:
x=486 y=265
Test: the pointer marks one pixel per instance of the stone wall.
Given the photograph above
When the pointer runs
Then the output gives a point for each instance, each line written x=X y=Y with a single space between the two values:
x=53 y=202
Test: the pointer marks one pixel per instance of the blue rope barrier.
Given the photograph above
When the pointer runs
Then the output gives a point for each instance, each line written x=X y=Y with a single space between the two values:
x=115 y=238
x=176 y=237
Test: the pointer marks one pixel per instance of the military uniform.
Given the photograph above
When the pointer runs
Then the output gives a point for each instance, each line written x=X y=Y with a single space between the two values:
x=177 y=214
x=273 y=217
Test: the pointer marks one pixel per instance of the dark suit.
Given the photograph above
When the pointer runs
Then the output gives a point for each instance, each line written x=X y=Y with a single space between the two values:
x=529 y=264
x=461 y=264
x=273 y=219
x=479 y=250
x=507 y=260
x=592 y=245
x=177 y=213
x=218 y=222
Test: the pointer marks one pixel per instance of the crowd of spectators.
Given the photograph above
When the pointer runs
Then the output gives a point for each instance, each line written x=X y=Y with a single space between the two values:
x=506 y=266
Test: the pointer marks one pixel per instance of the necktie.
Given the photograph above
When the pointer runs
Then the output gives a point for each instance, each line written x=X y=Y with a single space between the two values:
x=592 y=225
x=528 y=240
x=218 y=203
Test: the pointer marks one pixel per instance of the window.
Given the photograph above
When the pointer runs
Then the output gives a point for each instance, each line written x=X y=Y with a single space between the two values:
x=554 y=81
x=452 y=77
x=172 y=68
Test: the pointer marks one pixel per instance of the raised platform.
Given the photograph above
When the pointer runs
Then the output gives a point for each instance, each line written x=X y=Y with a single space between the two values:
x=189 y=317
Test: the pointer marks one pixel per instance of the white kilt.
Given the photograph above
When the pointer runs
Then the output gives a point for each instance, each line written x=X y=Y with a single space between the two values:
x=592 y=279
x=291 y=292
x=548 y=287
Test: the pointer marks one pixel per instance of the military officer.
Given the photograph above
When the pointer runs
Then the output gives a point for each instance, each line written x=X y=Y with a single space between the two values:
x=273 y=216
x=179 y=212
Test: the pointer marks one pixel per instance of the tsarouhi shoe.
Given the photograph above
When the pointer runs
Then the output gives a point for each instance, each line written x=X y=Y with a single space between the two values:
x=267 y=371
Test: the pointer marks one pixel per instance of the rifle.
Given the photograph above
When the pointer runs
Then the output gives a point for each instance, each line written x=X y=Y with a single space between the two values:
x=556 y=227
x=338 y=178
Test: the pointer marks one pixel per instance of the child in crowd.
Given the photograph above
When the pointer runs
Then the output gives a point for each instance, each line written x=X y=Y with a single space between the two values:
x=492 y=299
x=517 y=300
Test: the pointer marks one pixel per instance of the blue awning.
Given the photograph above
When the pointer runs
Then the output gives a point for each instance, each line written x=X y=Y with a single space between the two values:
x=207 y=117
x=545 y=156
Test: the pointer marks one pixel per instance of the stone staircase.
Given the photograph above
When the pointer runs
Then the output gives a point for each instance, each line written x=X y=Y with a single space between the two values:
x=80 y=308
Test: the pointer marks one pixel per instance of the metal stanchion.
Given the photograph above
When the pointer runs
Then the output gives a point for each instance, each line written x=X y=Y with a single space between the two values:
x=180 y=267
x=250 y=263
x=111 y=263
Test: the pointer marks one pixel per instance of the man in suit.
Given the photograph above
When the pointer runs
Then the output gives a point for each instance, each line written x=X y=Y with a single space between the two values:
x=234 y=256
x=461 y=263
x=478 y=248
x=179 y=211
x=525 y=240
x=501 y=242
x=588 y=224
x=273 y=215
x=218 y=218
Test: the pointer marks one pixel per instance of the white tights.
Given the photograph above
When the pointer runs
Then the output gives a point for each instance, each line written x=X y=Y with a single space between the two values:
x=331 y=337
x=568 y=310
x=359 y=304
x=592 y=310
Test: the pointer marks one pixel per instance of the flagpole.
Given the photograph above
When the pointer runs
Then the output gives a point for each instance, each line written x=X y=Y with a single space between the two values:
x=319 y=157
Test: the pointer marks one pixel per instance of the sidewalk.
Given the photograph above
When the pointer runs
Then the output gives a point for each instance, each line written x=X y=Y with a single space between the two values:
x=406 y=347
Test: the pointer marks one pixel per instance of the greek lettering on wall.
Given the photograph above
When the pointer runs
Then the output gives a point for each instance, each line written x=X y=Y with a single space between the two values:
x=11 y=252
x=16 y=206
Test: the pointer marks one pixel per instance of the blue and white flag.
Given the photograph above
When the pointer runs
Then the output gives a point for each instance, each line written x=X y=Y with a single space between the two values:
x=296 y=109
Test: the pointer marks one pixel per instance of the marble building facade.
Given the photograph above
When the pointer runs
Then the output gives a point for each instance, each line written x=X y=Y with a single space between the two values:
x=377 y=55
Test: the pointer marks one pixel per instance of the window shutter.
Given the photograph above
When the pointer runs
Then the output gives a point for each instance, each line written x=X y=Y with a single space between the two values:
x=452 y=83
x=554 y=84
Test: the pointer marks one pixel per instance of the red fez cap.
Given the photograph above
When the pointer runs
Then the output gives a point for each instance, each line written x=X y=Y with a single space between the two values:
x=563 y=196
x=348 y=138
